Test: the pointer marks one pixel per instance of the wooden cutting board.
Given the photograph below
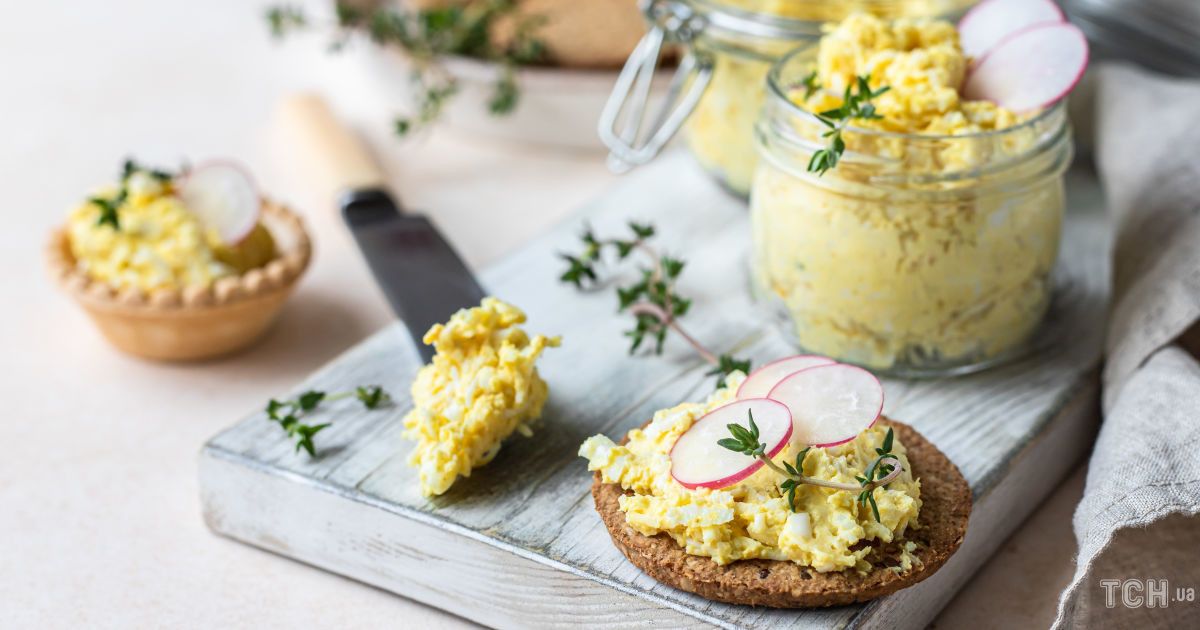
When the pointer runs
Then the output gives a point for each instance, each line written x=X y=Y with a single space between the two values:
x=519 y=543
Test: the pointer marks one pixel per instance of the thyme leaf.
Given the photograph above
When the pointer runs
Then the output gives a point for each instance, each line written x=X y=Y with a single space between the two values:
x=856 y=105
x=108 y=209
x=425 y=35
x=289 y=414
x=880 y=473
x=652 y=299
x=810 y=84
x=110 y=206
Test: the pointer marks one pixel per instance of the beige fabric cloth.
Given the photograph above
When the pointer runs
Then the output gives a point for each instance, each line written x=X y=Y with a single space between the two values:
x=1138 y=519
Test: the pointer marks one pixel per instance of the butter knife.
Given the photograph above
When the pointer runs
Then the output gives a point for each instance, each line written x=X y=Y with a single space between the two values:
x=421 y=275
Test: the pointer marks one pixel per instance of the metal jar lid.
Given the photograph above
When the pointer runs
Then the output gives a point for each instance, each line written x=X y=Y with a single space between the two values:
x=677 y=22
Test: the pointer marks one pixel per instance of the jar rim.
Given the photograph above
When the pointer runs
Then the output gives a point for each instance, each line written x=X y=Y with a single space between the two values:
x=729 y=19
x=776 y=91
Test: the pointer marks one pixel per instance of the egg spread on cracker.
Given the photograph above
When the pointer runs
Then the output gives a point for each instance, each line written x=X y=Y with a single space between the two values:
x=751 y=519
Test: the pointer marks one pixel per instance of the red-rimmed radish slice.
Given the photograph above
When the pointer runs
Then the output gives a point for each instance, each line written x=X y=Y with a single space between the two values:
x=830 y=404
x=697 y=461
x=993 y=20
x=1030 y=69
x=760 y=381
x=224 y=198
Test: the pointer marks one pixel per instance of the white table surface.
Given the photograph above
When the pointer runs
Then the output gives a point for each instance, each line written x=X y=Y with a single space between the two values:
x=99 y=511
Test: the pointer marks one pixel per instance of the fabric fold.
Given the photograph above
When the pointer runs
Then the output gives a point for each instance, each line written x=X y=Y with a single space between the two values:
x=1137 y=524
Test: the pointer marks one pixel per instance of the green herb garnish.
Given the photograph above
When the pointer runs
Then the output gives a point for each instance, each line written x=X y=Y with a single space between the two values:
x=425 y=35
x=129 y=167
x=877 y=471
x=810 y=84
x=880 y=473
x=652 y=300
x=285 y=19
x=109 y=207
x=856 y=105
x=726 y=365
x=288 y=413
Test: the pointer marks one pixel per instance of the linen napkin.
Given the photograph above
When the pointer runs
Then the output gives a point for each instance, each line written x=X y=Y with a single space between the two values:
x=1138 y=524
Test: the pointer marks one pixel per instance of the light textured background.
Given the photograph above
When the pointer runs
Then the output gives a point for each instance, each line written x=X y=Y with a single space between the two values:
x=98 y=500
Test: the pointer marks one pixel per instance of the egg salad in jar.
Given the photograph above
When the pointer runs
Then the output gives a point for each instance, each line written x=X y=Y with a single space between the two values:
x=928 y=247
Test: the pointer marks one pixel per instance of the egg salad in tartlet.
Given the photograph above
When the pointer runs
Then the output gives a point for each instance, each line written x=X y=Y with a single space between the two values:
x=848 y=522
x=179 y=266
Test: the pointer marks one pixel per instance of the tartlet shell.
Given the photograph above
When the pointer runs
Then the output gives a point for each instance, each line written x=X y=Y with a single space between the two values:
x=944 y=514
x=195 y=322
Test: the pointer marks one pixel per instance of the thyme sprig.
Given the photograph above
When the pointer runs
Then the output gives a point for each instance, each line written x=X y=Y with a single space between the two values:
x=879 y=474
x=811 y=84
x=652 y=299
x=426 y=34
x=878 y=470
x=109 y=207
x=856 y=105
x=288 y=413
x=726 y=365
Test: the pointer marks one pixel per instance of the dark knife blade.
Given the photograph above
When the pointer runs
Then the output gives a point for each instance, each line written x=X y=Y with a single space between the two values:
x=421 y=275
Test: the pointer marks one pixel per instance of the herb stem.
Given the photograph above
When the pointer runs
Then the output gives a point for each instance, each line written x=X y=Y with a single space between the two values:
x=856 y=105
x=668 y=308
x=852 y=487
x=652 y=301
x=663 y=316
x=428 y=34
x=744 y=440
x=288 y=414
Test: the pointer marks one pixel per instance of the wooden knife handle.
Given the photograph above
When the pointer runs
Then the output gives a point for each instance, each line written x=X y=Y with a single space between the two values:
x=331 y=150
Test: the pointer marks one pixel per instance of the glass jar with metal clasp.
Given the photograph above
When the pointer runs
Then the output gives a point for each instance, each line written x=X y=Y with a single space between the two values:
x=727 y=47
x=918 y=255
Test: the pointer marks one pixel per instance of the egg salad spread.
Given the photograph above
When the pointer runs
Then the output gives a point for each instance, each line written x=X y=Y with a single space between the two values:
x=157 y=242
x=921 y=63
x=929 y=247
x=752 y=519
x=481 y=386
x=720 y=131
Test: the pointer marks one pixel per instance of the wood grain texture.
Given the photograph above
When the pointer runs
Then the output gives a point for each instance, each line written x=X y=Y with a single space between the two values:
x=519 y=544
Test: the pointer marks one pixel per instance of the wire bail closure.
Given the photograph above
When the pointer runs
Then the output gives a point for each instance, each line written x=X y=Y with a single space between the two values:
x=671 y=21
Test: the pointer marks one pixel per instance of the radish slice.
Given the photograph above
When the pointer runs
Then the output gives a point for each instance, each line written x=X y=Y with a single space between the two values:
x=1030 y=69
x=993 y=20
x=697 y=461
x=830 y=404
x=760 y=381
x=223 y=196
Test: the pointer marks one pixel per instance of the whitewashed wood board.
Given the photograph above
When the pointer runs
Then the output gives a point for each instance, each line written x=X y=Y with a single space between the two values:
x=519 y=544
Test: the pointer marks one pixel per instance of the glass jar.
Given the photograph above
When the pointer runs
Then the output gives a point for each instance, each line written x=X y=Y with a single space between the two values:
x=917 y=255
x=728 y=47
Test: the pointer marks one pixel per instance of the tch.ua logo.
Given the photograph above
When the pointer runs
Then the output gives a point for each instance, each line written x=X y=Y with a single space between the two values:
x=1138 y=593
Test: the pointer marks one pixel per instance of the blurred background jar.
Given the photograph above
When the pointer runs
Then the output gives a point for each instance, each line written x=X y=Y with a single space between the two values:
x=719 y=88
x=917 y=255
